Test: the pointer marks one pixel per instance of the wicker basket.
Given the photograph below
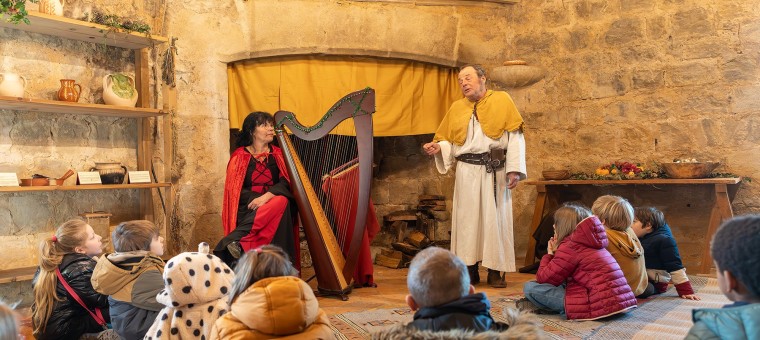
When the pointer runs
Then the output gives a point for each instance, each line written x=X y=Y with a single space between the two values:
x=689 y=170
x=555 y=175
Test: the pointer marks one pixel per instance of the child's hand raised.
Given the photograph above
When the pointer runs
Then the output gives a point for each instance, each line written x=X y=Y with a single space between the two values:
x=550 y=246
x=691 y=297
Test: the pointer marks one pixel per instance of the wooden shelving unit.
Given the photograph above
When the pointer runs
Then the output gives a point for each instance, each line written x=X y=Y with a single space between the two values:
x=53 y=106
x=83 y=31
x=73 y=29
x=84 y=187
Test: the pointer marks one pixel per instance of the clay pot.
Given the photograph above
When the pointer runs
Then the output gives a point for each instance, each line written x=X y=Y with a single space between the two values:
x=12 y=85
x=119 y=89
x=68 y=91
x=110 y=173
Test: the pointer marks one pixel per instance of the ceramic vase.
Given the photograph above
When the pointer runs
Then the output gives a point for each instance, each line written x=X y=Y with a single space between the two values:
x=12 y=85
x=119 y=89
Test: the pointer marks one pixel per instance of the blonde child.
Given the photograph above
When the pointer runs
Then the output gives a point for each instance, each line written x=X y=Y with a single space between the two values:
x=617 y=216
x=663 y=262
x=56 y=312
x=195 y=296
x=266 y=302
x=578 y=277
x=734 y=252
x=132 y=277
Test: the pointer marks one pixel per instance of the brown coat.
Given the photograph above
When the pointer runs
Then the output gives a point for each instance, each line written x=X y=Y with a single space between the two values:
x=277 y=307
x=629 y=254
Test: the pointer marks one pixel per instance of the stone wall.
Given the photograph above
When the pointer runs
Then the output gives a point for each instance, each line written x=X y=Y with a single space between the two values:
x=644 y=81
x=627 y=80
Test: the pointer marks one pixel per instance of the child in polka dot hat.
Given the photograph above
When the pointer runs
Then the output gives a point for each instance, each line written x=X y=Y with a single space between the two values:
x=195 y=296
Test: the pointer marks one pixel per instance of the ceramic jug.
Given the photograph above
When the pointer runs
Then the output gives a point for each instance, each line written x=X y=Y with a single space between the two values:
x=119 y=89
x=111 y=172
x=54 y=7
x=12 y=85
x=67 y=92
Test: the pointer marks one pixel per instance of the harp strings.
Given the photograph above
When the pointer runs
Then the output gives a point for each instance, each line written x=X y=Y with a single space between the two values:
x=330 y=164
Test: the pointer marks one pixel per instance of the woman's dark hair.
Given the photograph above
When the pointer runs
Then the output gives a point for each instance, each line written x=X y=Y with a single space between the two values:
x=254 y=119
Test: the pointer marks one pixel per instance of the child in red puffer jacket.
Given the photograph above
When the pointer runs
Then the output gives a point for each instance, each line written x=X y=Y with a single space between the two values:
x=578 y=277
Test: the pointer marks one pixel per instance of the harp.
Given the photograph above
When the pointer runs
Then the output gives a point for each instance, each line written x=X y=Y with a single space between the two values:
x=314 y=155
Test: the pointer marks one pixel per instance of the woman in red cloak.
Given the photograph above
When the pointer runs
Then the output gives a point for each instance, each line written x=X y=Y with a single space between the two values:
x=257 y=208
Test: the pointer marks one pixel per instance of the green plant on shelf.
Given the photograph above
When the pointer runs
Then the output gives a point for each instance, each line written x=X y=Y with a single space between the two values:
x=15 y=10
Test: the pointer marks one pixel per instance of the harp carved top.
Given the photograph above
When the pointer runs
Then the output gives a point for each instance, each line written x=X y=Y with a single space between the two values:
x=354 y=104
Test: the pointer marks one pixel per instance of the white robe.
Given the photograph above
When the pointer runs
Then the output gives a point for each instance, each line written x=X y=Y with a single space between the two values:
x=481 y=229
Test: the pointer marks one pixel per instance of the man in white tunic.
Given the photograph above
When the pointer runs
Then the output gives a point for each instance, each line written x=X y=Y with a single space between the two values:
x=477 y=131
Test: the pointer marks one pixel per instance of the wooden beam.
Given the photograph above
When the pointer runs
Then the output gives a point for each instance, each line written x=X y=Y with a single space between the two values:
x=449 y=2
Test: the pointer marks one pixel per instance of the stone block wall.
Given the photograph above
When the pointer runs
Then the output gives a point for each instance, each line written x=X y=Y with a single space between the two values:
x=643 y=81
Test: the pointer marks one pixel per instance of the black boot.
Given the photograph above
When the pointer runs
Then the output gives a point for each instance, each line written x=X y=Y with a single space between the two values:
x=235 y=249
x=474 y=274
x=496 y=279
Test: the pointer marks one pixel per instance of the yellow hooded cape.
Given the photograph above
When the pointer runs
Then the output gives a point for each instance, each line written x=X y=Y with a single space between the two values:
x=496 y=113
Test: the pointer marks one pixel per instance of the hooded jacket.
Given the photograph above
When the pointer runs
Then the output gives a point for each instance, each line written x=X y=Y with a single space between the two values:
x=736 y=323
x=596 y=287
x=629 y=254
x=281 y=307
x=195 y=296
x=471 y=312
x=661 y=253
x=132 y=279
x=68 y=319
x=520 y=326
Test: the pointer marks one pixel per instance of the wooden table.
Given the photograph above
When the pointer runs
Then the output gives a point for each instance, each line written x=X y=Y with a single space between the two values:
x=724 y=188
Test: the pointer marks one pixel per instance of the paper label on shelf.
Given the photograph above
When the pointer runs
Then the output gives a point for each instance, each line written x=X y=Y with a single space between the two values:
x=87 y=177
x=139 y=177
x=8 y=179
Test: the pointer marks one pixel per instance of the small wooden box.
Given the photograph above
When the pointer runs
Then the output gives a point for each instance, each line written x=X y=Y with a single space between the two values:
x=101 y=223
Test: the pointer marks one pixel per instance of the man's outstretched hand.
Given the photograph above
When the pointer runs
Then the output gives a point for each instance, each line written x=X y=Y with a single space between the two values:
x=431 y=148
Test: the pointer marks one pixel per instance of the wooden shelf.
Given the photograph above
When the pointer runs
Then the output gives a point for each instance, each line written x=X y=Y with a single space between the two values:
x=85 y=187
x=83 y=31
x=17 y=274
x=717 y=180
x=54 y=106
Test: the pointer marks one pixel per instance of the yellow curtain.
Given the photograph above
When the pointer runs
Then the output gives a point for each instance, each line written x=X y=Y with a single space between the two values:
x=410 y=97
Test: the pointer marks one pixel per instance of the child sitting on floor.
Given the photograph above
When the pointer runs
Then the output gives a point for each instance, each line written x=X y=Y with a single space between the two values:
x=663 y=262
x=195 y=296
x=578 y=277
x=68 y=254
x=617 y=216
x=132 y=277
x=734 y=249
x=446 y=305
x=266 y=302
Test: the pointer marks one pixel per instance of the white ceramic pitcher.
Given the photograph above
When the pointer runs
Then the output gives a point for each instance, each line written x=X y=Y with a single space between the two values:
x=119 y=89
x=12 y=85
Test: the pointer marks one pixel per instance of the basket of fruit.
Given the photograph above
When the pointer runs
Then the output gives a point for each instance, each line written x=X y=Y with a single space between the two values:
x=688 y=168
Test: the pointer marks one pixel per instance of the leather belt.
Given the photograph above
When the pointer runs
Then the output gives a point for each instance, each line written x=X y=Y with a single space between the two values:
x=482 y=159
